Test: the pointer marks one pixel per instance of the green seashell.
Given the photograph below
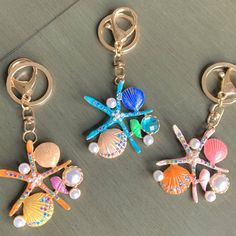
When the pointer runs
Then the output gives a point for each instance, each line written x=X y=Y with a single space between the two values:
x=135 y=128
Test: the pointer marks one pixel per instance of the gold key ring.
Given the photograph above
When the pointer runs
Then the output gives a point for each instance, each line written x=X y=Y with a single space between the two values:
x=120 y=36
x=25 y=87
x=227 y=87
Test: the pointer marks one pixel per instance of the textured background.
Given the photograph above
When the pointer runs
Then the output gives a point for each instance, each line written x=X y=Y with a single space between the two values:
x=119 y=197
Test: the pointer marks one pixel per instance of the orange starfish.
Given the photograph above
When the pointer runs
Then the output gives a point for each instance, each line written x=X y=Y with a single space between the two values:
x=34 y=180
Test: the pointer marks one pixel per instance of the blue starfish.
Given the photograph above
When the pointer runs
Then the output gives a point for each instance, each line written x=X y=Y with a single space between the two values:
x=116 y=116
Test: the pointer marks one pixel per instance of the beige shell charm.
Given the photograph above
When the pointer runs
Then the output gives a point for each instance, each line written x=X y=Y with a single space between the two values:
x=47 y=155
x=112 y=143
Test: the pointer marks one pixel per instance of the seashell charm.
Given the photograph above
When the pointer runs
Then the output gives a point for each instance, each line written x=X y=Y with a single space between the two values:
x=215 y=150
x=58 y=185
x=176 y=180
x=133 y=98
x=47 y=155
x=112 y=143
x=38 y=209
x=204 y=178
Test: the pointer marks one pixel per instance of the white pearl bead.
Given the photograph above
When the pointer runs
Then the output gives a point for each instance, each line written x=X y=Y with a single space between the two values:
x=19 y=222
x=72 y=176
x=148 y=140
x=158 y=175
x=24 y=168
x=210 y=196
x=75 y=193
x=93 y=148
x=194 y=143
x=111 y=102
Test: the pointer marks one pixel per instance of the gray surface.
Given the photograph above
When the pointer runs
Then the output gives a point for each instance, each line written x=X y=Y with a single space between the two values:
x=178 y=39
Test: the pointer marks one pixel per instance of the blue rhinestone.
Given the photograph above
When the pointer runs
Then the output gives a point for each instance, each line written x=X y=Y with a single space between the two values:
x=150 y=124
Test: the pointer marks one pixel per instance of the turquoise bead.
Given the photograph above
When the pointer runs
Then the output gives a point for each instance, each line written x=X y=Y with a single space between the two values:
x=150 y=124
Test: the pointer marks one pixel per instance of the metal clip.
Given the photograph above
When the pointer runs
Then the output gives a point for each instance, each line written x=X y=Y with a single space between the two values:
x=126 y=39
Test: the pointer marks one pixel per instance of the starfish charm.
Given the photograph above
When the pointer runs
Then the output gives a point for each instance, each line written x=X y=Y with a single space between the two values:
x=116 y=116
x=34 y=180
x=192 y=158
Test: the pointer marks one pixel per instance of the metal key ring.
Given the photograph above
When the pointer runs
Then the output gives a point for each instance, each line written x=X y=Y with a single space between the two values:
x=120 y=35
x=18 y=65
x=220 y=67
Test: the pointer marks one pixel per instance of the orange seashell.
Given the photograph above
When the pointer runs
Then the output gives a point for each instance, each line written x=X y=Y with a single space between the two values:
x=176 y=180
x=112 y=143
x=47 y=155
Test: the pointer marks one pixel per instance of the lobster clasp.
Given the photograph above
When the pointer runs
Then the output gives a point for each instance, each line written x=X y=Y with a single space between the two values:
x=124 y=38
x=21 y=91
x=227 y=93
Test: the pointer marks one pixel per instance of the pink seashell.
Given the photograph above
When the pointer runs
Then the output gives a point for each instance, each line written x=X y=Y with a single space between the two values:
x=58 y=184
x=215 y=150
x=204 y=178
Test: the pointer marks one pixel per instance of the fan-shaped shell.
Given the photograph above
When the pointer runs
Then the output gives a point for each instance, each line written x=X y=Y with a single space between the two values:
x=38 y=209
x=133 y=98
x=112 y=143
x=47 y=155
x=215 y=150
x=176 y=180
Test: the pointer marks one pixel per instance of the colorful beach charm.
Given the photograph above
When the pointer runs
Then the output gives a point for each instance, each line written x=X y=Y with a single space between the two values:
x=126 y=106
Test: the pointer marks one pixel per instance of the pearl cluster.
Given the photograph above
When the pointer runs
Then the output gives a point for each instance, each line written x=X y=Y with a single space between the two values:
x=72 y=177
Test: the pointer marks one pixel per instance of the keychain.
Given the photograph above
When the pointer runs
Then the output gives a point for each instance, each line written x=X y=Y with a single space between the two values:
x=112 y=141
x=38 y=207
x=176 y=179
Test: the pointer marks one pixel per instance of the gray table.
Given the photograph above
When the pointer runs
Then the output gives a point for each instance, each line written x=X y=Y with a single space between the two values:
x=119 y=197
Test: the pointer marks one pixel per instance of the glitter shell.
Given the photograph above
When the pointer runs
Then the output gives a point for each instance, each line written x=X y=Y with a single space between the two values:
x=133 y=98
x=215 y=150
x=112 y=143
x=176 y=180
x=38 y=209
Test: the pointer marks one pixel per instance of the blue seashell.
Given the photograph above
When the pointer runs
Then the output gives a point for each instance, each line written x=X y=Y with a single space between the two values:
x=150 y=124
x=133 y=98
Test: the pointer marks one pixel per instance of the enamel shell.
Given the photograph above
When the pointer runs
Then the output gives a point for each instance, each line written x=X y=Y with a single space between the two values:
x=176 y=180
x=112 y=143
x=47 y=155
x=204 y=178
x=133 y=98
x=38 y=209
x=58 y=185
x=215 y=150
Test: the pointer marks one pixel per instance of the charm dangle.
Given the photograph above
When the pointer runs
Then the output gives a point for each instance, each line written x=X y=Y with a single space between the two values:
x=176 y=179
x=38 y=208
x=114 y=133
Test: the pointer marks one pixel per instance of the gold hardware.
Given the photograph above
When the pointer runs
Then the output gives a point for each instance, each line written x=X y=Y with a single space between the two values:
x=227 y=87
x=26 y=89
x=125 y=39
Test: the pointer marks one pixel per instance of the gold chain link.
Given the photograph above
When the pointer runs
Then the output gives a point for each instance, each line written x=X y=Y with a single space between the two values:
x=28 y=119
x=119 y=65
x=216 y=112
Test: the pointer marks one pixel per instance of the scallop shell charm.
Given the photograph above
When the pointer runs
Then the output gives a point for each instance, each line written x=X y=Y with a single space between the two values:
x=112 y=143
x=38 y=209
x=215 y=150
x=176 y=180
x=133 y=98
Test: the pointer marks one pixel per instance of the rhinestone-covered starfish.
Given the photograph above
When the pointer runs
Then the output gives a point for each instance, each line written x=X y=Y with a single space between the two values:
x=116 y=116
x=34 y=180
x=192 y=157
